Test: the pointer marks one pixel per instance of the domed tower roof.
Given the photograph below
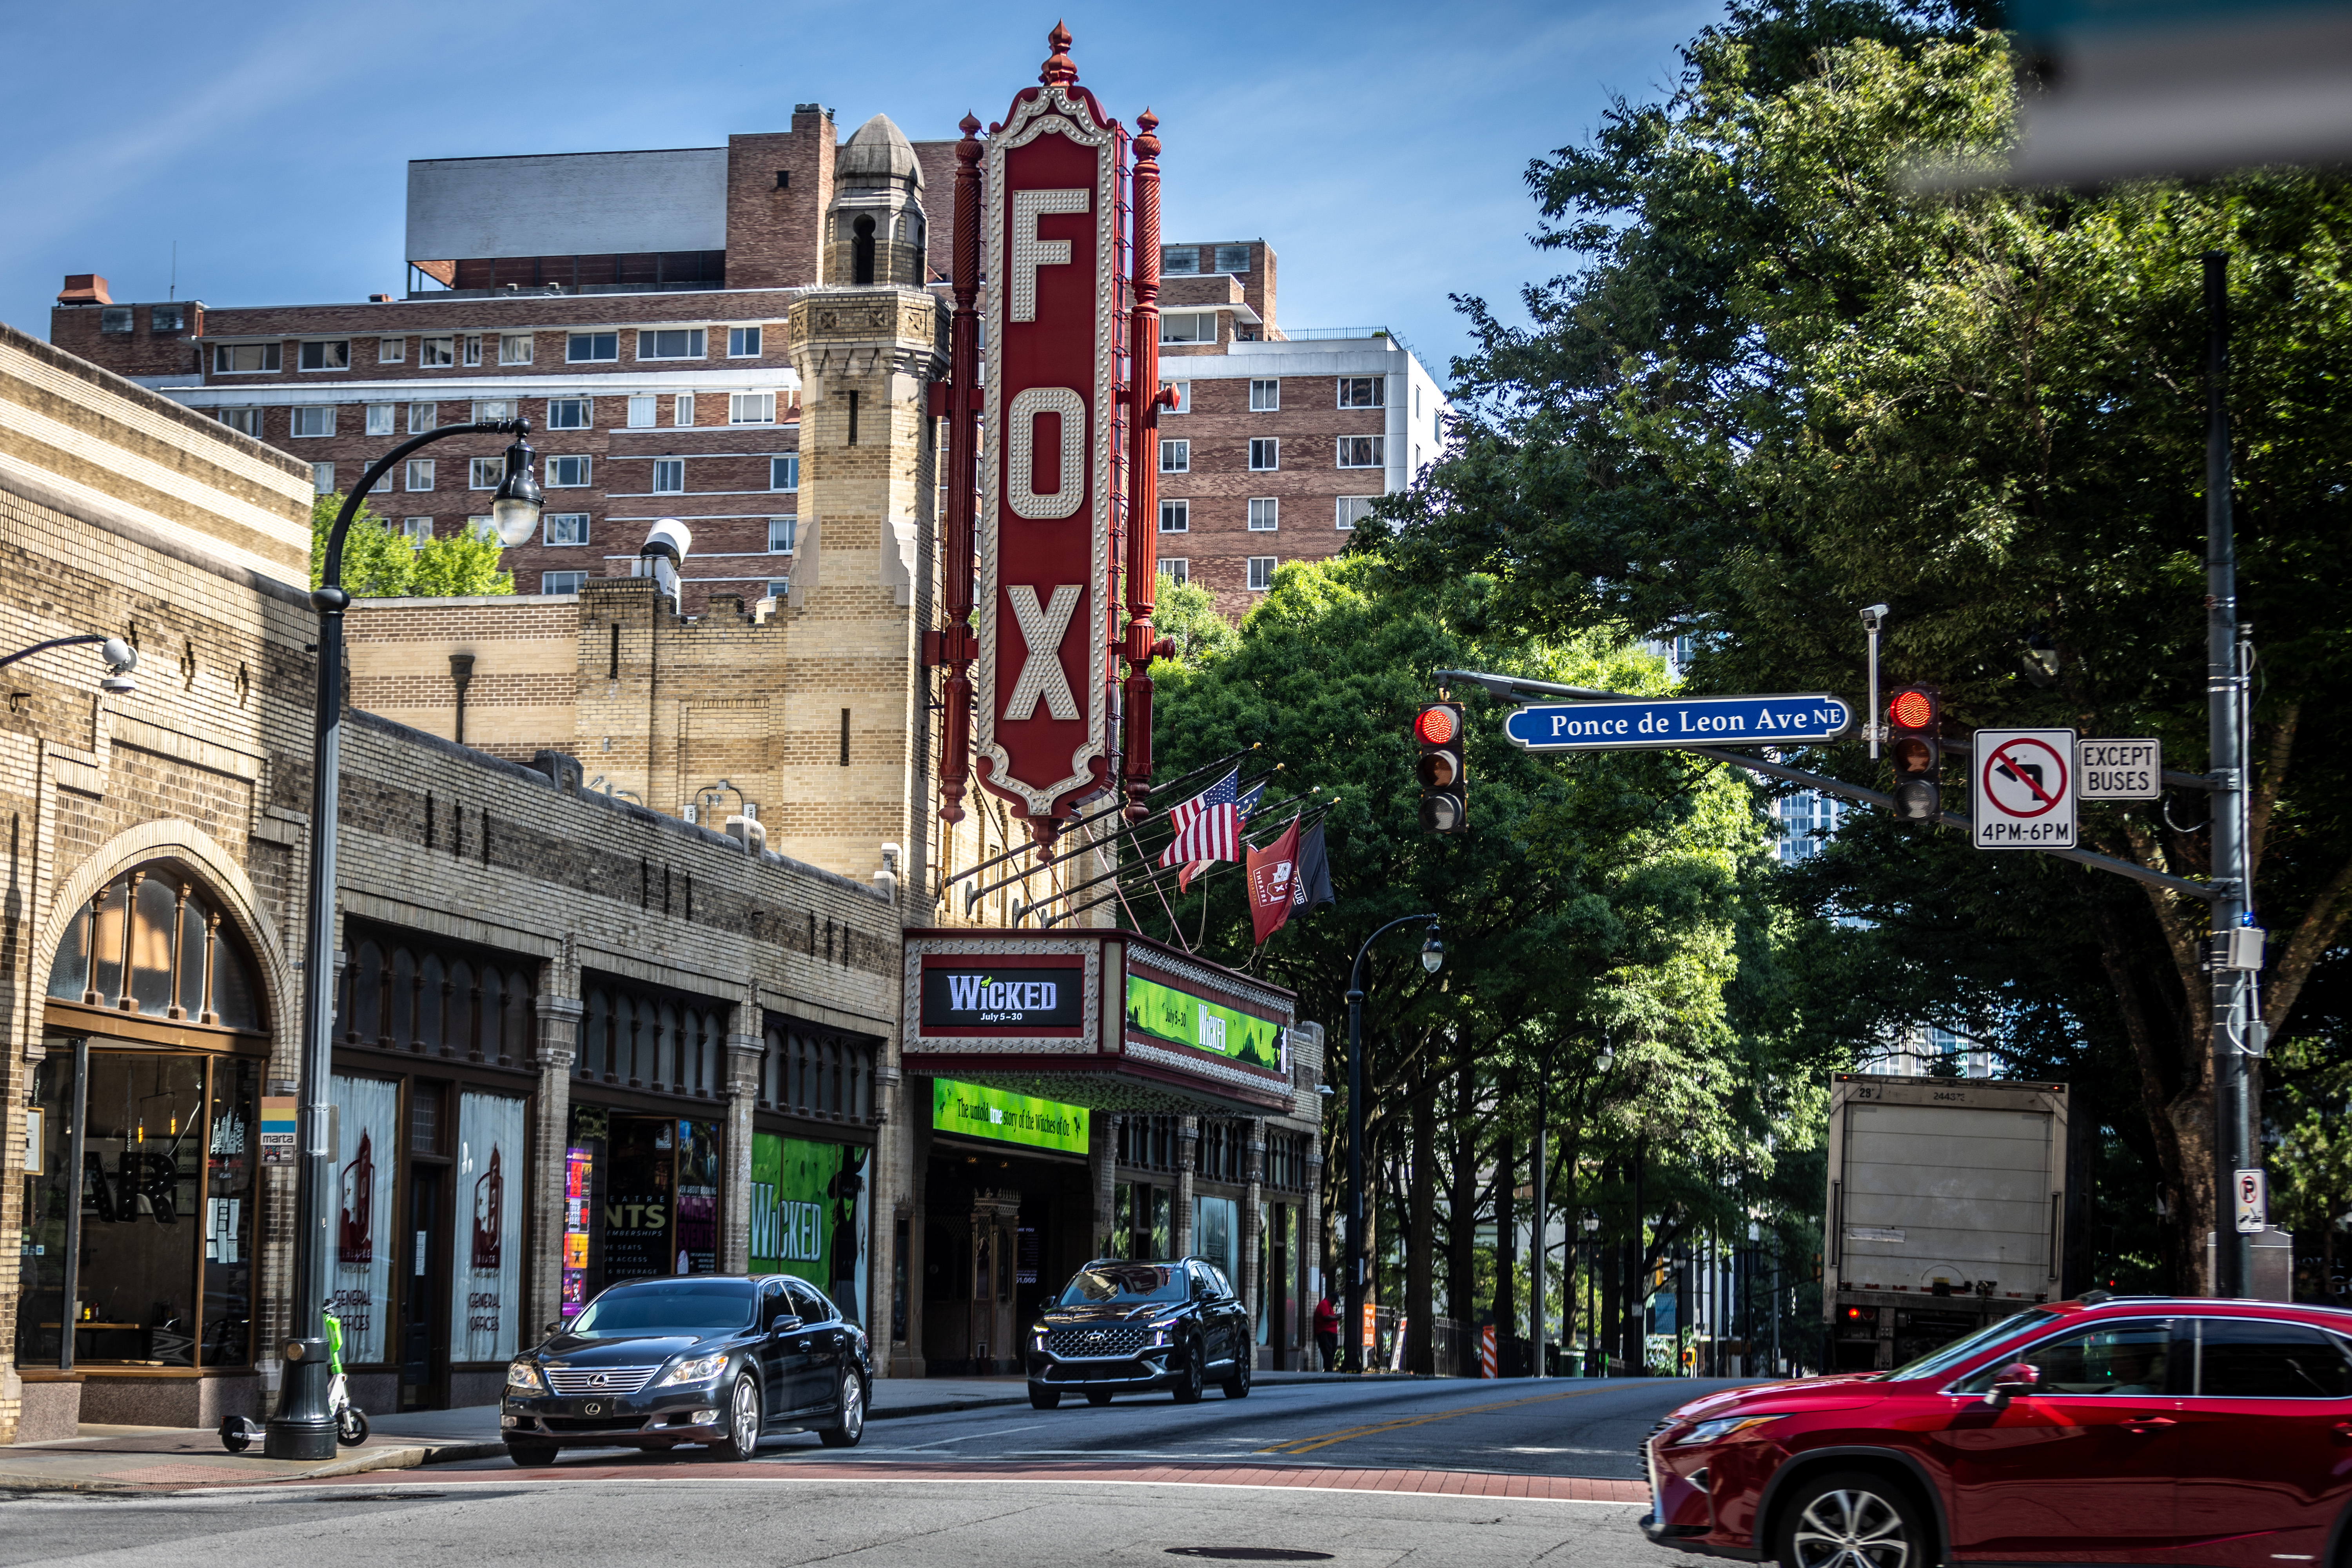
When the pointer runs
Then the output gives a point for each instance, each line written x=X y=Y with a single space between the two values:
x=877 y=153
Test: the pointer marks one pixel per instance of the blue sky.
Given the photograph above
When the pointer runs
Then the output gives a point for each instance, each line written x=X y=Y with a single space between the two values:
x=1379 y=147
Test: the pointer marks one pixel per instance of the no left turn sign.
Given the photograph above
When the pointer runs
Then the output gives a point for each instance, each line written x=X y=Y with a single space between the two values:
x=2022 y=789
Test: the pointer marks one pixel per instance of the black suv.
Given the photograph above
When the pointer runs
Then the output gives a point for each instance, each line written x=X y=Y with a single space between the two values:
x=717 y=1360
x=1122 y=1327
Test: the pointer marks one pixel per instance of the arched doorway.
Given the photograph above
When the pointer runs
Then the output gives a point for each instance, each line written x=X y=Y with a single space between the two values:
x=142 y=1179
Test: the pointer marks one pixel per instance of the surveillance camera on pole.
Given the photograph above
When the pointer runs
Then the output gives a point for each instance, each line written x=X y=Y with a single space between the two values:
x=1874 y=616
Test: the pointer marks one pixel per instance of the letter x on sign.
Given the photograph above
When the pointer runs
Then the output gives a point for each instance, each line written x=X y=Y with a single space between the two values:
x=1042 y=627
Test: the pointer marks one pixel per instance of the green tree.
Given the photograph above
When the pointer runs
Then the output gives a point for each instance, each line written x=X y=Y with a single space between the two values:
x=379 y=564
x=1778 y=386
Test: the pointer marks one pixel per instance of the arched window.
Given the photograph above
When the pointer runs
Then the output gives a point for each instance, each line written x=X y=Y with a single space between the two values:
x=155 y=928
x=431 y=1004
x=666 y=1062
x=861 y=251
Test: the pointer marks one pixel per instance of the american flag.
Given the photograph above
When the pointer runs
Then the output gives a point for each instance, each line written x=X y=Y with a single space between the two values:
x=1208 y=827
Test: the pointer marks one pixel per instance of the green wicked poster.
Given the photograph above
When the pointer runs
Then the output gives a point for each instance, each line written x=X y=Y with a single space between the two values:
x=1167 y=1013
x=809 y=1216
x=976 y=1111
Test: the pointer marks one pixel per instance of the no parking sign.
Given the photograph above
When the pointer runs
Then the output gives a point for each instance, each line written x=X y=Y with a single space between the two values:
x=2022 y=789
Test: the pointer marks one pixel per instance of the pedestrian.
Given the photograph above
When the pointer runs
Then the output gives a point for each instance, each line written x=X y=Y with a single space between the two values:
x=1327 y=1331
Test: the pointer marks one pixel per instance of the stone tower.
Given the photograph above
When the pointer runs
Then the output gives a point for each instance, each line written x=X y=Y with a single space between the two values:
x=857 y=769
x=874 y=223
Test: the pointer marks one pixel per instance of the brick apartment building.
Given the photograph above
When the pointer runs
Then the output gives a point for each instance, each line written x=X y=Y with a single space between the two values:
x=634 y=306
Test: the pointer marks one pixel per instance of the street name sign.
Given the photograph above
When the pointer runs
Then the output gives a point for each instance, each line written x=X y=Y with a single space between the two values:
x=2022 y=789
x=2120 y=770
x=1621 y=725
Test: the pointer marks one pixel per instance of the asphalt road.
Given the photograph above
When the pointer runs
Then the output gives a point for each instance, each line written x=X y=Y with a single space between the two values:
x=973 y=1489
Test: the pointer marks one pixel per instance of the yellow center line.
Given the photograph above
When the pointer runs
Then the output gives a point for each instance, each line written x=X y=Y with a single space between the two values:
x=1308 y=1444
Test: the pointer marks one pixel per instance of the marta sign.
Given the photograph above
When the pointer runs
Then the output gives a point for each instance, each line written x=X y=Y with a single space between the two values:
x=1679 y=721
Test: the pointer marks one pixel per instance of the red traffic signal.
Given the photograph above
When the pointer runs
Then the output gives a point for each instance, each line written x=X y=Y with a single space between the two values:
x=1913 y=729
x=1445 y=784
x=1437 y=724
x=1913 y=708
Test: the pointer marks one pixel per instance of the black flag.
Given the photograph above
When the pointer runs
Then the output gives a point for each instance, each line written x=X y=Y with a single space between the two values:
x=1311 y=885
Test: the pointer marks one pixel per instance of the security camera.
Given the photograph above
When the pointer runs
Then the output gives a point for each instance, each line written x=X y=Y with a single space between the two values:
x=1874 y=617
x=670 y=539
x=121 y=658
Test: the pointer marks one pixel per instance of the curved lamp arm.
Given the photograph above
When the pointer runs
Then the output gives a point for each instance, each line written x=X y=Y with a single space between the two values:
x=331 y=573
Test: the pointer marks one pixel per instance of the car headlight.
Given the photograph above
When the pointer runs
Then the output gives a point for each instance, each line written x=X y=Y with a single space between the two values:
x=701 y=1369
x=1716 y=1430
x=522 y=1377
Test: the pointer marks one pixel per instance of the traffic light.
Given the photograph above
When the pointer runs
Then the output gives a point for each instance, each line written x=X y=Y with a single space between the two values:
x=1914 y=734
x=1445 y=786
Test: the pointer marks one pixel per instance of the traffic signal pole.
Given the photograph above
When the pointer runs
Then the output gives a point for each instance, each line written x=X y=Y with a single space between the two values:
x=2225 y=736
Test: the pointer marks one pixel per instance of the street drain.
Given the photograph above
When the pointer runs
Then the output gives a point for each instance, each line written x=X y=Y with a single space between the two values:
x=1250 y=1553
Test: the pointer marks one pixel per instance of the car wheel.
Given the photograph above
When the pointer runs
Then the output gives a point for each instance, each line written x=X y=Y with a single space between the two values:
x=1188 y=1377
x=531 y=1455
x=1043 y=1398
x=850 y=1425
x=1852 y=1518
x=1097 y=1396
x=1238 y=1385
x=743 y=1420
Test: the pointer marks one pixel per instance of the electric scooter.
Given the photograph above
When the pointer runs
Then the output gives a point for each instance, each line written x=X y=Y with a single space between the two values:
x=238 y=1432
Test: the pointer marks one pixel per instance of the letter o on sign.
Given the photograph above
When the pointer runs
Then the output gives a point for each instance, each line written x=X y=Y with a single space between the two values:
x=1020 y=439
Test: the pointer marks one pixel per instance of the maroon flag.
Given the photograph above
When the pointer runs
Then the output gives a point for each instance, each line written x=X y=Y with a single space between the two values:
x=1273 y=871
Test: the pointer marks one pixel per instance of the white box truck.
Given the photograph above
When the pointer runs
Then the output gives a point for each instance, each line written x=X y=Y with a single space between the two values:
x=1952 y=1201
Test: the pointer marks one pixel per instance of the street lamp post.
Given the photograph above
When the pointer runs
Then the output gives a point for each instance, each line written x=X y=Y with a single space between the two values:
x=303 y=1426
x=1432 y=954
x=120 y=658
x=1593 y=1368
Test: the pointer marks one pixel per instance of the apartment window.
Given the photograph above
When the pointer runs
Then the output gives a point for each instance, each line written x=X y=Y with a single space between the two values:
x=1180 y=259
x=1363 y=451
x=565 y=473
x=560 y=582
x=423 y=416
x=564 y=527
x=322 y=479
x=570 y=412
x=1183 y=393
x=246 y=358
x=436 y=354
x=641 y=413
x=778 y=587
x=671 y=343
x=480 y=526
x=167 y=318
x=1265 y=514
x=1261 y=574
x=246 y=420
x=391 y=351
x=514 y=348
x=420 y=473
x=590 y=348
x=415 y=530
x=1363 y=392
x=784 y=472
x=742 y=342
x=115 y=321
x=1177 y=572
x=1265 y=453
x=751 y=409
x=1175 y=517
x=1233 y=258
x=1175 y=457
x=313 y=420
x=472 y=349
x=488 y=410
x=1353 y=510
x=669 y=475
x=484 y=473
x=784 y=533
x=327 y=353
x=379 y=418
x=1189 y=327
x=681 y=408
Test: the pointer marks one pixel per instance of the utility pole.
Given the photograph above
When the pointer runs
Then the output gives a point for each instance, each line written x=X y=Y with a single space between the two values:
x=1537 y=1316
x=2233 y=1148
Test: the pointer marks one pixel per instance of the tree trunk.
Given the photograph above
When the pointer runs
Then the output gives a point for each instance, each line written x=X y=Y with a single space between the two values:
x=1421 y=1237
x=1461 y=1285
x=1507 y=1251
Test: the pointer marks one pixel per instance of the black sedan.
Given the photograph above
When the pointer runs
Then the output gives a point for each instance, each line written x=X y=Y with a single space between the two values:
x=718 y=1360
x=1122 y=1327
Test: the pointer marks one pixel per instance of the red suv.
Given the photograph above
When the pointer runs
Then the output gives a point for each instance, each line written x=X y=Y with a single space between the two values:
x=2111 y=1429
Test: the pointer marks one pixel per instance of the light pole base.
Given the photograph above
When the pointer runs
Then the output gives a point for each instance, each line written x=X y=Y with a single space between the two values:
x=304 y=1426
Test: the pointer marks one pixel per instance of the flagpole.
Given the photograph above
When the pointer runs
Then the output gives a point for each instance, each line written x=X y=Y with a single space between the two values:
x=1182 y=779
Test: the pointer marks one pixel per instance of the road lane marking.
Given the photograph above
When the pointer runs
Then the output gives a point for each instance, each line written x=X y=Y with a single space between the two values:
x=966 y=1437
x=1308 y=1444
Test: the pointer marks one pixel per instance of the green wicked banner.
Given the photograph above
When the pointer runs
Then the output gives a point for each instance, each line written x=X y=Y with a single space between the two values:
x=809 y=1216
x=975 y=1110
x=1167 y=1013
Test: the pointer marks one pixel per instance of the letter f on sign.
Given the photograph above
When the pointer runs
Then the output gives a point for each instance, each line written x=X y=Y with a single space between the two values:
x=1029 y=252
x=1042 y=627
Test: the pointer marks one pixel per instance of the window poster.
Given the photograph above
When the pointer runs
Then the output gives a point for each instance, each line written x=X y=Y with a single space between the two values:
x=368 y=1111
x=697 y=1197
x=487 y=1284
x=809 y=1216
x=579 y=1167
x=639 y=1191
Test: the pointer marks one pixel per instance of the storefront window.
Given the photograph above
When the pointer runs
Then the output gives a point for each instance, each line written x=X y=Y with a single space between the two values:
x=809 y=1216
x=367 y=1135
x=487 y=1292
x=641 y=1200
x=42 y=1307
x=141 y=1179
x=153 y=926
x=232 y=1151
x=1216 y=1233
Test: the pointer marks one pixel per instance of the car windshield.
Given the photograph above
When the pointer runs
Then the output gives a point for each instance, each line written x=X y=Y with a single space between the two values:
x=1100 y=1282
x=679 y=1307
x=1952 y=1355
